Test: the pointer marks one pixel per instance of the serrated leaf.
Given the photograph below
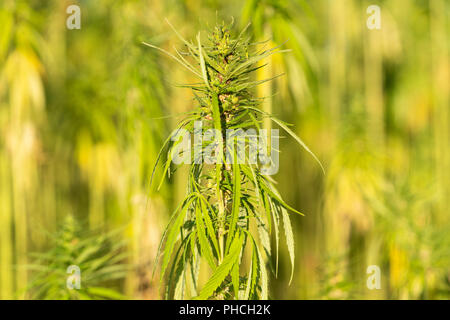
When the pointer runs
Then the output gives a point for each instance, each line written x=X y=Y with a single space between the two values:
x=289 y=240
x=205 y=247
x=255 y=272
x=223 y=270
x=236 y=199
x=276 y=224
x=264 y=236
x=172 y=236
x=249 y=282
x=209 y=225
x=235 y=279
x=264 y=277
x=166 y=230
x=180 y=286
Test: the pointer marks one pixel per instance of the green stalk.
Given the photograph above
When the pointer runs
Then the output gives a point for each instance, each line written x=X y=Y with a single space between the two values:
x=219 y=176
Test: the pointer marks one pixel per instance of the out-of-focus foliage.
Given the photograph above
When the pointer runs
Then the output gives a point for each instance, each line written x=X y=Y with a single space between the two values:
x=98 y=255
x=84 y=112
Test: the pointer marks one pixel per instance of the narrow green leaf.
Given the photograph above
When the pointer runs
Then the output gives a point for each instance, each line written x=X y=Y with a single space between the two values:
x=205 y=247
x=180 y=286
x=236 y=199
x=178 y=274
x=183 y=63
x=187 y=43
x=249 y=282
x=158 y=254
x=235 y=279
x=264 y=235
x=202 y=62
x=271 y=191
x=289 y=240
x=195 y=271
x=255 y=271
x=223 y=270
x=291 y=133
x=263 y=275
x=276 y=223
x=209 y=225
x=172 y=237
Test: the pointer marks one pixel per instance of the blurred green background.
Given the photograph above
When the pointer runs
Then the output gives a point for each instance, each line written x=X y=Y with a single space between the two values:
x=84 y=112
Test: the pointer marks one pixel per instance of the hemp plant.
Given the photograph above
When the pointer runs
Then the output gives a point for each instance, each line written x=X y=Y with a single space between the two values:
x=231 y=208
